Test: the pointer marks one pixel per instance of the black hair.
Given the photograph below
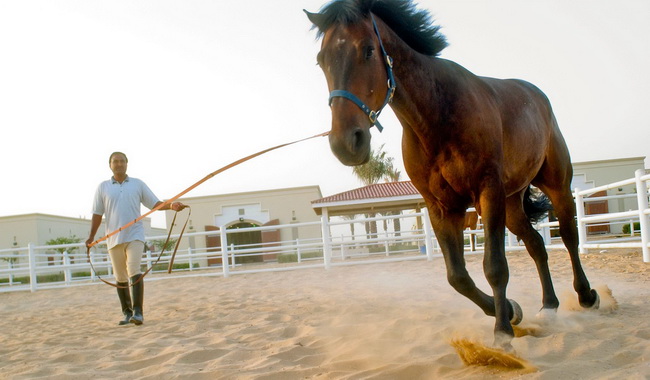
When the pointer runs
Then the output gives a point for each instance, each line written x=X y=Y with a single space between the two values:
x=114 y=153
x=413 y=25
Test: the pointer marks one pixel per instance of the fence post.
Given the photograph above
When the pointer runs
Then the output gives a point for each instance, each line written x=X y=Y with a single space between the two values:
x=11 y=274
x=149 y=262
x=93 y=278
x=512 y=239
x=298 y=253
x=642 y=198
x=66 y=267
x=224 y=252
x=386 y=247
x=428 y=236
x=109 y=264
x=582 y=227
x=32 y=267
x=327 y=239
x=189 y=258
x=546 y=232
x=232 y=256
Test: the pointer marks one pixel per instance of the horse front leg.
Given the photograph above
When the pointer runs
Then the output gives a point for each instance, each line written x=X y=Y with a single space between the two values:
x=449 y=232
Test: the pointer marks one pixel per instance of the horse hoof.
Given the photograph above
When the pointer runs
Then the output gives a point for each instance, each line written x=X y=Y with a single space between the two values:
x=546 y=314
x=595 y=305
x=517 y=313
x=503 y=341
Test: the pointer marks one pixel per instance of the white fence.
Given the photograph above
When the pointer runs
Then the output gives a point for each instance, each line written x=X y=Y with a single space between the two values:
x=38 y=267
x=637 y=238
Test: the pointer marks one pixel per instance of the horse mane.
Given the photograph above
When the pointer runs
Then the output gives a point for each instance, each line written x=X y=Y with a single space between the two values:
x=412 y=25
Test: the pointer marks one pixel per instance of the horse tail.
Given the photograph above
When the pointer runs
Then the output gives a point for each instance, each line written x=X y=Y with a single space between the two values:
x=536 y=204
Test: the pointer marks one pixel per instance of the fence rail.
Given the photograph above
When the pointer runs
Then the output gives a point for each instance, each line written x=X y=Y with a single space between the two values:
x=39 y=267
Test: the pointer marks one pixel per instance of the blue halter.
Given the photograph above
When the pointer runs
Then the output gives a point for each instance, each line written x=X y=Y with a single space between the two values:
x=372 y=115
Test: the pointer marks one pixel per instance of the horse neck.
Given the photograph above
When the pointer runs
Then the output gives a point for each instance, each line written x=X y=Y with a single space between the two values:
x=418 y=77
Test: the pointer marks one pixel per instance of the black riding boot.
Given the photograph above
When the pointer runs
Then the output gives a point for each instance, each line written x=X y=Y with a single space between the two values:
x=125 y=300
x=138 y=298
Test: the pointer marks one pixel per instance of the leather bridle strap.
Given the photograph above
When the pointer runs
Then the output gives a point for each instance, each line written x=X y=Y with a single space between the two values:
x=372 y=115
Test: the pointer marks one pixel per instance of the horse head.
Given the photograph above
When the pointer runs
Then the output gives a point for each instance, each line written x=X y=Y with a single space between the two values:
x=356 y=69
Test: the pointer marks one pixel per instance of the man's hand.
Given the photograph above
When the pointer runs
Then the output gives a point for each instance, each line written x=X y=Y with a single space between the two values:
x=177 y=206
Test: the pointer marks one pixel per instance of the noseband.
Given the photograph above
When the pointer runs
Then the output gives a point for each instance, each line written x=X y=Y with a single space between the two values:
x=372 y=115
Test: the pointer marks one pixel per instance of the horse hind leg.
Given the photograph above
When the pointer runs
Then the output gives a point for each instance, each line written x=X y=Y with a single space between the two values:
x=565 y=210
x=518 y=223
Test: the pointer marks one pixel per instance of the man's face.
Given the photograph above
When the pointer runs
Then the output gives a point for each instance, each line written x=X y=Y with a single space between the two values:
x=118 y=165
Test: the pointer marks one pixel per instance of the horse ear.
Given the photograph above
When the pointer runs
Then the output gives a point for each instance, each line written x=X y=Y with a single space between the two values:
x=315 y=18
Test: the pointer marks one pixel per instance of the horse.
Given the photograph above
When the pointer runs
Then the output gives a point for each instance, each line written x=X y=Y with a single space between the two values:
x=466 y=140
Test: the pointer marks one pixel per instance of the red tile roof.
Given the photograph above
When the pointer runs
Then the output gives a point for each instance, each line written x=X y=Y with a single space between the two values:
x=379 y=190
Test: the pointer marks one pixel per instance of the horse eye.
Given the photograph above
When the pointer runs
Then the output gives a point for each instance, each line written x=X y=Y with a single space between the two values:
x=369 y=51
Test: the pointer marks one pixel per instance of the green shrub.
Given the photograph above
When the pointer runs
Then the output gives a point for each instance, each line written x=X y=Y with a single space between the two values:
x=293 y=257
x=626 y=227
x=161 y=267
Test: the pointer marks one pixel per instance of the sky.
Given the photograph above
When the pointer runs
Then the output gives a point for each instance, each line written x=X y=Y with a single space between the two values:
x=186 y=87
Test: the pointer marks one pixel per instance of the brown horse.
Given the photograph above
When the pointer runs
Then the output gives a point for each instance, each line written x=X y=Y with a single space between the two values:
x=467 y=140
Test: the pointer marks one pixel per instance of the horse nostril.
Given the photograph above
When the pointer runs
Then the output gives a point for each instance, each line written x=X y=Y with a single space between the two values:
x=351 y=147
x=359 y=139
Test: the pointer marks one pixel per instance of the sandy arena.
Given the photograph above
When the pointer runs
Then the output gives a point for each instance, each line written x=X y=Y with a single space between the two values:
x=377 y=321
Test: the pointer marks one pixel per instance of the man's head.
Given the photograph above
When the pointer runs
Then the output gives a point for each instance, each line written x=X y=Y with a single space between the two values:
x=118 y=164
x=117 y=153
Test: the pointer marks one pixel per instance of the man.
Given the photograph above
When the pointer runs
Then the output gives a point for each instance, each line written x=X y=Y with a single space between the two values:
x=119 y=198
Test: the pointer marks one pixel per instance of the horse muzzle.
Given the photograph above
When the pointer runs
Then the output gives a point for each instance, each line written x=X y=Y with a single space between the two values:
x=351 y=146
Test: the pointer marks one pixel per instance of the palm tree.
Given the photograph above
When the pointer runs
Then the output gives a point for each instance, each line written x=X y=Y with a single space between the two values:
x=370 y=173
x=375 y=169
x=351 y=218
x=392 y=175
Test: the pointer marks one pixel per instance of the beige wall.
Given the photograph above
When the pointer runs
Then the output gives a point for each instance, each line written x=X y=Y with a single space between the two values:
x=40 y=228
x=290 y=205
x=607 y=171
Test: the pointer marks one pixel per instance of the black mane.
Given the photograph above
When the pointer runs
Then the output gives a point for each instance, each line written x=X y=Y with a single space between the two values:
x=413 y=26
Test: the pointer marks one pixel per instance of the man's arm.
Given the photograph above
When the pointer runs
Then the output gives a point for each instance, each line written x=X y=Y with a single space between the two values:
x=94 y=226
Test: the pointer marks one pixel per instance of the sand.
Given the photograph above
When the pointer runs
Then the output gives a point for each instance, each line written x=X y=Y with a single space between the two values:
x=375 y=321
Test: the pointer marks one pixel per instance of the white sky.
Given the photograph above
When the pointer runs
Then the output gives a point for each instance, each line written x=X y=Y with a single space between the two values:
x=186 y=87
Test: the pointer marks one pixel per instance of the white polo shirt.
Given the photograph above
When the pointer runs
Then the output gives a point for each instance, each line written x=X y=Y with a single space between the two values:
x=120 y=203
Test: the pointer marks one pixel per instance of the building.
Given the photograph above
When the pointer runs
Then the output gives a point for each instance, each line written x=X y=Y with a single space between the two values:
x=19 y=230
x=209 y=213
x=250 y=209
x=400 y=196
x=592 y=174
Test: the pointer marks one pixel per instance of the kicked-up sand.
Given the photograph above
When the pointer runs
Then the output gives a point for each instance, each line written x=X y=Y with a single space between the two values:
x=374 y=321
